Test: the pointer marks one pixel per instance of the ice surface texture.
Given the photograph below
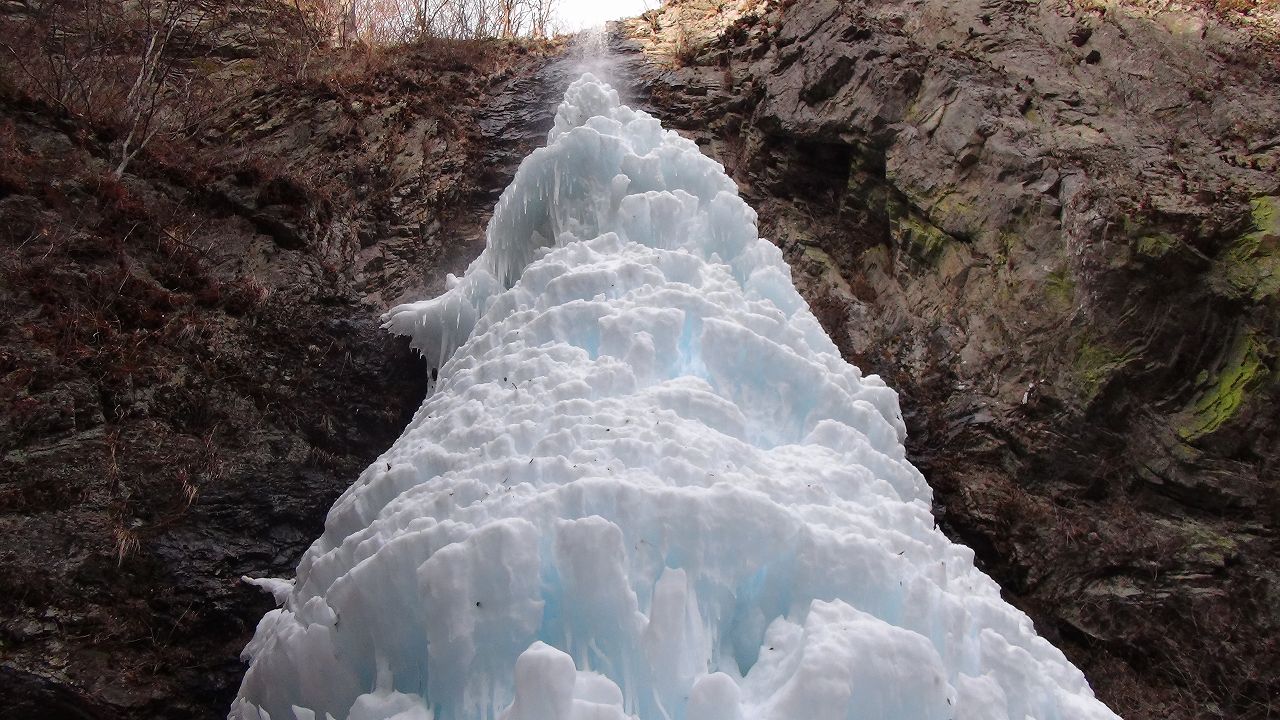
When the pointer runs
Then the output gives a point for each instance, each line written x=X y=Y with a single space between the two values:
x=645 y=485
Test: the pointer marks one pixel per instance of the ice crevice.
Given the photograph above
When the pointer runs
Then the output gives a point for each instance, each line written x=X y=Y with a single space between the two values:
x=644 y=485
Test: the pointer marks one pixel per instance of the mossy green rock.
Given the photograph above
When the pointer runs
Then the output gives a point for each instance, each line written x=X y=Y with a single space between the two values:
x=1060 y=286
x=1250 y=267
x=1156 y=245
x=1242 y=370
x=916 y=234
x=1095 y=363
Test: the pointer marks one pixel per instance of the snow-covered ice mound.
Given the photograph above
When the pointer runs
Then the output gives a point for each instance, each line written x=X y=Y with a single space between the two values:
x=645 y=485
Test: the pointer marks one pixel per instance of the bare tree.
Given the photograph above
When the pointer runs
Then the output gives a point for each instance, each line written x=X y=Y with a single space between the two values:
x=155 y=66
x=67 y=53
x=318 y=21
x=541 y=13
x=387 y=21
x=120 y=64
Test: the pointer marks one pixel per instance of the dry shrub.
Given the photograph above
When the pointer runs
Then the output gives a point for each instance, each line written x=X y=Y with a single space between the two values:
x=352 y=66
x=360 y=67
x=246 y=295
x=684 y=50
x=181 y=161
x=15 y=163
x=73 y=55
x=653 y=18
x=123 y=205
x=132 y=69
x=1017 y=511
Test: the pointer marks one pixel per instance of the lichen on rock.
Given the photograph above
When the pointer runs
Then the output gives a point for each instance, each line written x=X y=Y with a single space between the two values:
x=1249 y=268
x=1242 y=369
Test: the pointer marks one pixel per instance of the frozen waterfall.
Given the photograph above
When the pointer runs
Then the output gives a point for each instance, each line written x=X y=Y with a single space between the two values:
x=645 y=485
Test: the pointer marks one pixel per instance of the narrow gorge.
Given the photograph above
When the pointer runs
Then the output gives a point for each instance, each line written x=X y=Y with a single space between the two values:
x=1051 y=228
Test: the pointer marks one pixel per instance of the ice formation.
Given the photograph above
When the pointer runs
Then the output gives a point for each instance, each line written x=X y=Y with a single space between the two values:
x=645 y=485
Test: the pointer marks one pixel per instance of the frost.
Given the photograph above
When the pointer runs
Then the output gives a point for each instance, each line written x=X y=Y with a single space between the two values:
x=645 y=485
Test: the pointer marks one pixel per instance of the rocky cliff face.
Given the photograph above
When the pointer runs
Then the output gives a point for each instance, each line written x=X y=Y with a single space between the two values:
x=1054 y=227
x=192 y=368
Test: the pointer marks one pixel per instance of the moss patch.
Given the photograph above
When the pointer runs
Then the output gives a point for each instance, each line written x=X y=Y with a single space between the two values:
x=1242 y=369
x=1156 y=245
x=1250 y=266
x=1060 y=286
x=1205 y=546
x=820 y=264
x=1094 y=364
x=1005 y=245
x=912 y=231
x=964 y=220
x=1149 y=241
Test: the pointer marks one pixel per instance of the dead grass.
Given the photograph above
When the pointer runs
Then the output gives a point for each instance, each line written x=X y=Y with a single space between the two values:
x=15 y=162
x=1260 y=18
x=684 y=49
x=351 y=70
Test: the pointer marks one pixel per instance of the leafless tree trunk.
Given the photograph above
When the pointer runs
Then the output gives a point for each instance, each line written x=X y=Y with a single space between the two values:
x=116 y=62
x=143 y=101
x=542 y=13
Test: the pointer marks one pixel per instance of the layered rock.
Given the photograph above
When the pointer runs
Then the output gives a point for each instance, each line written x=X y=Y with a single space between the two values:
x=1053 y=227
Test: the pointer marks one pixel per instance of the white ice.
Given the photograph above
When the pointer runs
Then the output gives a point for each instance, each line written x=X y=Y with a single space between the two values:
x=645 y=486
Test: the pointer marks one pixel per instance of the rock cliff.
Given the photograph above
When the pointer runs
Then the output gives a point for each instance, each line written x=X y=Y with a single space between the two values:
x=1054 y=227
x=193 y=369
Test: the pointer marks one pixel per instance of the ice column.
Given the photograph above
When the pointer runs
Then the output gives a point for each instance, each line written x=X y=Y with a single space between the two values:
x=646 y=486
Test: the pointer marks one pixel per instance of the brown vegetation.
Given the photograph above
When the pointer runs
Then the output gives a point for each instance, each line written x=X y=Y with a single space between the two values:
x=133 y=70
x=192 y=367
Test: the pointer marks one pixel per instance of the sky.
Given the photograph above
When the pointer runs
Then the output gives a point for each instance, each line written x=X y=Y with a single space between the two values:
x=580 y=14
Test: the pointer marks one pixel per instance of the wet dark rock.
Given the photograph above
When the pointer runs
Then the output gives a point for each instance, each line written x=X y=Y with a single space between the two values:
x=829 y=81
x=286 y=234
